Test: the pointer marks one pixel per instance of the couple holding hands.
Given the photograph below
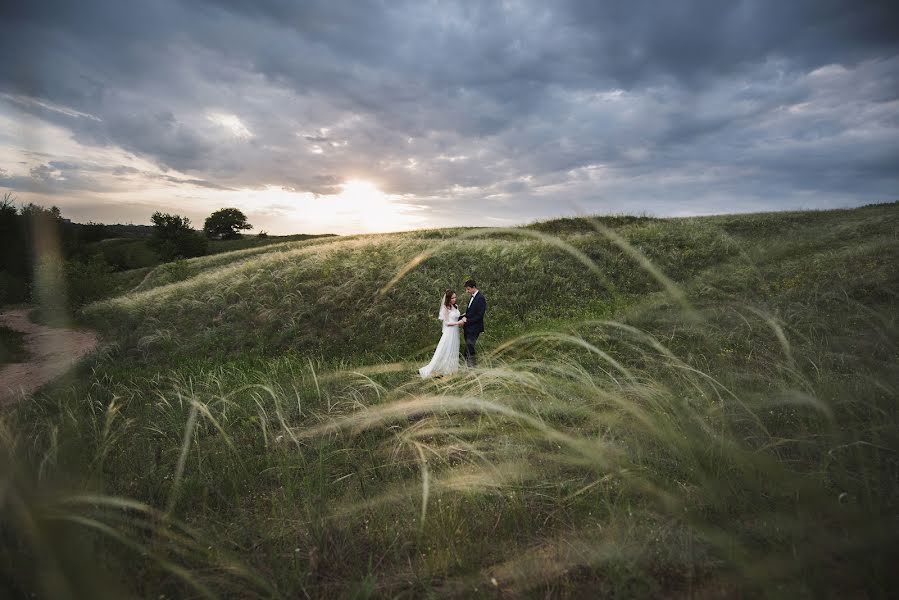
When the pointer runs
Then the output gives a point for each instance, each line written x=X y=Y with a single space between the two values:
x=446 y=357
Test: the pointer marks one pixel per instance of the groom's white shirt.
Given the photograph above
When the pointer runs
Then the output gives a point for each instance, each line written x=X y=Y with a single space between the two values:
x=472 y=298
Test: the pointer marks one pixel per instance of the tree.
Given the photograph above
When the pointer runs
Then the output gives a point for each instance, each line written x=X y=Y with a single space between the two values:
x=15 y=254
x=12 y=243
x=31 y=237
x=167 y=227
x=226 y=224
x=173 y=237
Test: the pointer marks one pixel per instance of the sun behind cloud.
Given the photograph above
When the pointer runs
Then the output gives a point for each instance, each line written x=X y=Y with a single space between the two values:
x=359 y=207
x=373 y=209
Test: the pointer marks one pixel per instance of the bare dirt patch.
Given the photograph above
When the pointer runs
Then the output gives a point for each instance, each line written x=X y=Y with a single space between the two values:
x=51 y=350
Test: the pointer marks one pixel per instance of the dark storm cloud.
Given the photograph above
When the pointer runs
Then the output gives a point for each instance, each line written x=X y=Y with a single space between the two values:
x=693 y=41
x=502 y=102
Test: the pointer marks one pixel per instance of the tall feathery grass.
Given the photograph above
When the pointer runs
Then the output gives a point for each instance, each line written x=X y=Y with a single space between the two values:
x=714 y=427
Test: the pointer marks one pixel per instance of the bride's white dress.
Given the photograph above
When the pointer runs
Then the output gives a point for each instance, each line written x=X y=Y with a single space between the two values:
x=446 y=356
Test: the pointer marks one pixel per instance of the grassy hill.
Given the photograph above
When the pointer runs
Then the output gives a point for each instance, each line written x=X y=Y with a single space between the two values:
x=699 y=406
x=335 y=296
x=136 y=252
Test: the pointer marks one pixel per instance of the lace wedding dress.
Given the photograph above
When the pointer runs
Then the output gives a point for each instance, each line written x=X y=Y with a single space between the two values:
x=446 y=356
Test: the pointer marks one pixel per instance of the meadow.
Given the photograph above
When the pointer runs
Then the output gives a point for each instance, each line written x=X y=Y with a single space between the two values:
x=694 y=407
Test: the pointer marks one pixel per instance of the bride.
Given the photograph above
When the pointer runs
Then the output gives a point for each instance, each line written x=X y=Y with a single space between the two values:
x=446 y=356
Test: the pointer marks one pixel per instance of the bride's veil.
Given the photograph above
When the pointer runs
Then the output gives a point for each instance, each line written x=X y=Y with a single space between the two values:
x=444 y=311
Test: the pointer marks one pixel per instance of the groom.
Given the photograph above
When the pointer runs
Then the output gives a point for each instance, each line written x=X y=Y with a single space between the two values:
x=473 y=320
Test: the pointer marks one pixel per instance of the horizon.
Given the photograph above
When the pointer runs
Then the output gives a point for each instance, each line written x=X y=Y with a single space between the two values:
x=318 y=118
x=255 y=231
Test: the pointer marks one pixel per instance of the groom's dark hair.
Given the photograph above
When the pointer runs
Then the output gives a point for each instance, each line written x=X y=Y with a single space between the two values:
x=471 y=283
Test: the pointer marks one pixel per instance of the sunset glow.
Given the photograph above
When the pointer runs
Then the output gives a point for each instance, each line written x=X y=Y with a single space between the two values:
x=359 y=207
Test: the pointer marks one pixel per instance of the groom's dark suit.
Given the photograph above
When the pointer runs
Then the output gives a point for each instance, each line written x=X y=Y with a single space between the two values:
x=474 y=326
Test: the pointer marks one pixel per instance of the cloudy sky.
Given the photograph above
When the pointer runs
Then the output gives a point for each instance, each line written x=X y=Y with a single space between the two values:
x=353 y=116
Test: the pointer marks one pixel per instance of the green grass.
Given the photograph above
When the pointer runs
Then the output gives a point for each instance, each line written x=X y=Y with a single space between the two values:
x=253 y=241
x=136 y=253
x=665 y=407
x=12 y=346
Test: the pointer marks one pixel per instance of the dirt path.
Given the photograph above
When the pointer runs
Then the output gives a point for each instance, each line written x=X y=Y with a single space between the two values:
x=52 y=351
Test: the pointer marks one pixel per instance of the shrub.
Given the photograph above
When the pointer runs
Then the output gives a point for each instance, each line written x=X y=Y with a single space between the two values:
x=193 y=245
x=88 y=281
x=174 y=238
x=13 y=289
x=12 y=346
x=123 y=255
x=172 y=272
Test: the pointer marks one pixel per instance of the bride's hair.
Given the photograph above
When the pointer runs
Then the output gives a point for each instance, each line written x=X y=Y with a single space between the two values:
x=446 y=298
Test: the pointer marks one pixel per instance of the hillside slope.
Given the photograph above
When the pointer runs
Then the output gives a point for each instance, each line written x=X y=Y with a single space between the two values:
x=323 y=296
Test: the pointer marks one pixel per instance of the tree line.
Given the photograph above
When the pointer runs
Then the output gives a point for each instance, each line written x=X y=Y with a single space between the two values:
x=83 y=257
x=174 y=237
